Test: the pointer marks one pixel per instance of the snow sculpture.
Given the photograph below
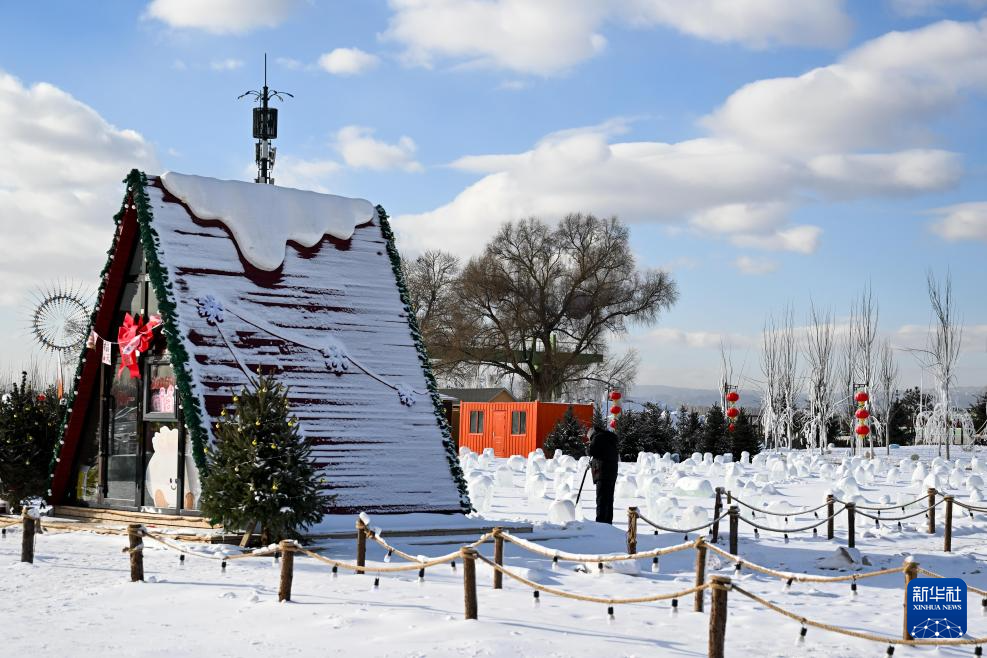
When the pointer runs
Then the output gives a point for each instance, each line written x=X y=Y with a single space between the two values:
x=504 y=477
x=694 y=487
x=561 y=512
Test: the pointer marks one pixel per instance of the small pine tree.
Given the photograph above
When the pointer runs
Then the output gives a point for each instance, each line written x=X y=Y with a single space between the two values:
x=29 y=426
x=687 y=430
x=712 y=436
x=260 y=470
x=568 y=435
x=631 y=432
x=745 y=436
x=978 y=413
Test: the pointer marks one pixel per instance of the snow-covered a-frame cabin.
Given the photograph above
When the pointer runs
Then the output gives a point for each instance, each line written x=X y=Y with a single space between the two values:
x=208 y=281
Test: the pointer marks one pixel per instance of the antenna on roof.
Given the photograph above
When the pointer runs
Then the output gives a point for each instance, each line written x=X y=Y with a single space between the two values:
x=265 y=128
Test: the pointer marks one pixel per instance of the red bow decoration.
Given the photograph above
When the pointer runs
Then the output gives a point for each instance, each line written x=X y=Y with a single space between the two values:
x=134 y=336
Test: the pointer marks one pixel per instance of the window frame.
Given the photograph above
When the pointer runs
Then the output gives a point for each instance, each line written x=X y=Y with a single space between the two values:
x=519 y=422
x=477 y=426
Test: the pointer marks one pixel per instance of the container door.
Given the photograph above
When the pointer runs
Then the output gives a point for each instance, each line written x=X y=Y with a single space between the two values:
x=500 y=433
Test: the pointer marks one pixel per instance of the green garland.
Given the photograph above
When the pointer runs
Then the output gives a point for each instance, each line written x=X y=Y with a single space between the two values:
x=167 y=308
x=433 y=388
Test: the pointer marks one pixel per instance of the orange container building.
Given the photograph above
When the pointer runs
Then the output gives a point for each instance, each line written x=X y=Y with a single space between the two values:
x=513 y=428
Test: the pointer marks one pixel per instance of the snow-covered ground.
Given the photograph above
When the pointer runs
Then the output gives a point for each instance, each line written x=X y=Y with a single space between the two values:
x=76 y=599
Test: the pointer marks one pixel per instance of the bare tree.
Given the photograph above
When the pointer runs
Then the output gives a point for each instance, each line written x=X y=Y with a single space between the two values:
x=820 y=354
x=945 y=340
x=864 y=332
x=541 y=303
x=779 y=365
x=886 y=390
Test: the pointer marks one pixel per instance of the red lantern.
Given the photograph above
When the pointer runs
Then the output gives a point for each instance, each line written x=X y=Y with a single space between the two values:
x=731 y=427
x=733 y=412
x=862 y=396
x=733 y=396
x=41 y=397
x=615 y=410
x=862 y=414
x=615 y=395
x=862 y=430
x=613 y=424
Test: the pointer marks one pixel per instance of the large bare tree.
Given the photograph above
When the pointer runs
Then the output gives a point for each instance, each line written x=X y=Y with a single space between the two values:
x=885 y=390
x=779 y=365
x=820 y=353
x=945 y=341
x=541 y=302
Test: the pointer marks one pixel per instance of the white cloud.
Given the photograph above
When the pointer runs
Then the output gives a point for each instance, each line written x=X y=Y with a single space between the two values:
x=879 y=95
x=59 y=189
x=858 y=128
x=963 y=221
x=361 y=150
x=755 y=23
x=289 y=63
x=228 y=64
x=222 y=16
x=550 y=36
x=695 y=339
x=347 y=61
x=916 y=337
x=304 y=174
x=755 y=266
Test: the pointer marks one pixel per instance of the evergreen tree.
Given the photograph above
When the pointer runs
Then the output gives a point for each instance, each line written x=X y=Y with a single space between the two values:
x=599 y=422
x=657 y=432
x=568 y=435
x=687 y=428
x=978 y=412
x=29 y=426
x=712 y=437
x=745 y=436
x=260 y=470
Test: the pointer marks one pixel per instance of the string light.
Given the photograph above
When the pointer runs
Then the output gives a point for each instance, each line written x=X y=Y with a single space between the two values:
x=223 y=566
x=555 y=563
x=675 y=607
x=335 y=571
x=387 y=558
x=610 y=613
x=655 y=568
x=421 y=576
x=181 y=559
x=802 y=633
x=377 y=582
x=536 y=595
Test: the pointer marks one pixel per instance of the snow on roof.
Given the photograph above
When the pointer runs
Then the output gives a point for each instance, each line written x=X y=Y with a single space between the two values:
x=330 y=322
x=264 y=218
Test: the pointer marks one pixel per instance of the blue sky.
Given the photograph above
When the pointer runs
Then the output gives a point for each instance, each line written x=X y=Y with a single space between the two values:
x=764 y=153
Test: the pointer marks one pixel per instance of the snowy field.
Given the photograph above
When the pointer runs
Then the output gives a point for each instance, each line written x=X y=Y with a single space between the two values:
x=76 y=599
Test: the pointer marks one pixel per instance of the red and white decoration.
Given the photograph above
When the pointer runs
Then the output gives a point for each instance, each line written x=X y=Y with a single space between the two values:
x=614 y=399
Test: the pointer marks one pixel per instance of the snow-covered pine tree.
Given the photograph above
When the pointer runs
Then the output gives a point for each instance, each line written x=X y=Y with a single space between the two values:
x=29 y=422
x=568 y=435
x=260 y=470
x=713 y=433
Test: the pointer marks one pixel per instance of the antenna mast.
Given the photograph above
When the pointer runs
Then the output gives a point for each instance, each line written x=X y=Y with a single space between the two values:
x=265 y=128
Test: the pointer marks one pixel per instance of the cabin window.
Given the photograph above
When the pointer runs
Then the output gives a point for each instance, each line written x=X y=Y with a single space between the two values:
x=519 y=422
x=476 y=422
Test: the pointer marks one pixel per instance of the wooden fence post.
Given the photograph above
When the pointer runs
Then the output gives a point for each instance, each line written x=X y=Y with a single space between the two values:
x=932 y=511
x=851 y=525
x=700 y=573
x=361 y=545
x=718 y=617
x=135 y=533
x=717 y=510
x=27 y=538
x=734 y=528
x=498 y=558
x=947 y=536
x=632 y=530
x=469 y=581
x=830 y=504
x=911 y=572
x=287 y=570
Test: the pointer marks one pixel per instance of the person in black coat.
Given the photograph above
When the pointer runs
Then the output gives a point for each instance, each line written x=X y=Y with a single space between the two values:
x=603 y=450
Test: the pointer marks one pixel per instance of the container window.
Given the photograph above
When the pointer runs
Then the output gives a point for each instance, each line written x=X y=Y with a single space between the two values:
x=519 y=422
x=476 y=422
